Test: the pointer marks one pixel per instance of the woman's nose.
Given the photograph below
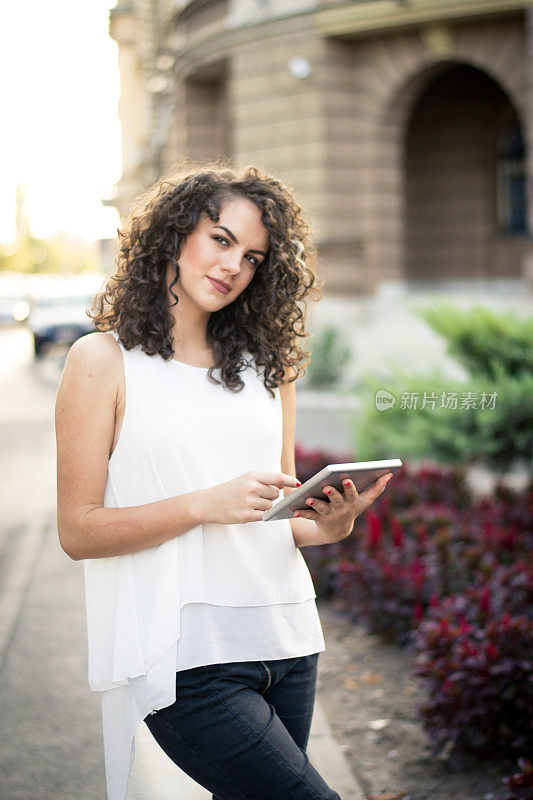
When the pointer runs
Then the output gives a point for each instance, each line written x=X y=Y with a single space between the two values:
x=233 y=268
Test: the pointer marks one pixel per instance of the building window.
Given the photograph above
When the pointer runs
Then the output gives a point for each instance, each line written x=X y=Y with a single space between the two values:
x=511 y=182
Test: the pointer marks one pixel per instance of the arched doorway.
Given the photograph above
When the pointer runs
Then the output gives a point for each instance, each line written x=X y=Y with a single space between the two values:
x=464 y=180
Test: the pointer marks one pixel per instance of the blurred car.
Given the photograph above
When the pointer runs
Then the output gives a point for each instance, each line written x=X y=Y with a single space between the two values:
x=13 y=308
x=59 y=320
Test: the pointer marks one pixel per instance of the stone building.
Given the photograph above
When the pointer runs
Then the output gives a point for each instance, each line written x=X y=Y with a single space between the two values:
x=404 y=127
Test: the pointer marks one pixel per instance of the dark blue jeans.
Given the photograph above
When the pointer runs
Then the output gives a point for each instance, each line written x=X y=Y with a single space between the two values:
x=240 y=729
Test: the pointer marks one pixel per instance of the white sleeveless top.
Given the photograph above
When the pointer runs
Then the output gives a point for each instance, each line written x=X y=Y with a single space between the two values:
x=215 y=594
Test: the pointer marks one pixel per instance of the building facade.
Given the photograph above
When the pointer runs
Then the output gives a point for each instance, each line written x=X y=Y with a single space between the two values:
x=404 y=127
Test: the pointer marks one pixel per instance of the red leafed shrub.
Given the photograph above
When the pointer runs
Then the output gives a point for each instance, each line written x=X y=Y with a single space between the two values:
x=425 y=538
x=477 y=663
x=429 y=566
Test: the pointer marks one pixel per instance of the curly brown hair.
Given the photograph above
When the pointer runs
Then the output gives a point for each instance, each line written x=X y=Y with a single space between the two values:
x=265 y=319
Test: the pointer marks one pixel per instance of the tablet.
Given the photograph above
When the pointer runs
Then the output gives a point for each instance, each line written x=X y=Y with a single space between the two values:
x=362 y=473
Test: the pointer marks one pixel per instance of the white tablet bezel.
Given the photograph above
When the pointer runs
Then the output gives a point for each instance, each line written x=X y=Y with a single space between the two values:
x=362 y=473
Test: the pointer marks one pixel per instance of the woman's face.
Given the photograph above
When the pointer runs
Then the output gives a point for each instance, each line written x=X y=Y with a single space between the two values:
x=229 y=250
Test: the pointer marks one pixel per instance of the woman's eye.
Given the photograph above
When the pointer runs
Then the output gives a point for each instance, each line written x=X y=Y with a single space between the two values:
x=252 y=259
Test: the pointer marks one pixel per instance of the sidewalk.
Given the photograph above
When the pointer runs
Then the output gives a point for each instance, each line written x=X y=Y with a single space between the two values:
x=54 y=746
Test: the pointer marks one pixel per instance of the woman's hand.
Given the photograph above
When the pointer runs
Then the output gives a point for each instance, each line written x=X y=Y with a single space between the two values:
x=242 y=499
x=336 y=518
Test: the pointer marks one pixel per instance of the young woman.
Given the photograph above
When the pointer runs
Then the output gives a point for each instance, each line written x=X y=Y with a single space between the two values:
x=175 y=432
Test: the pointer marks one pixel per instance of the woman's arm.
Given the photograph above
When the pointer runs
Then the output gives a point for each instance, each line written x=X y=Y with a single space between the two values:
x=304 y=531
x=85 y=425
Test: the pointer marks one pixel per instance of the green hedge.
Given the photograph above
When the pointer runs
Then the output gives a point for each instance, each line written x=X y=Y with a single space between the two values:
x=498 y=352
x=483 y=341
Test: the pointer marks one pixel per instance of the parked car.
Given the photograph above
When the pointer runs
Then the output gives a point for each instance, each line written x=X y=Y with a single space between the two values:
x=59 y=320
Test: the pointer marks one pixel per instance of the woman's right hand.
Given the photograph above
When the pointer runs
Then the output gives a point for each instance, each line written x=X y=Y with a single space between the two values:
x=242 y=499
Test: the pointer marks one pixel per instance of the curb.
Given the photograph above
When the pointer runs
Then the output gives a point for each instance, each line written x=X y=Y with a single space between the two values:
x=329 y=759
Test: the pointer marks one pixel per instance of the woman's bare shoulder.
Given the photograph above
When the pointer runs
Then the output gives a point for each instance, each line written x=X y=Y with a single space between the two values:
x=99 y=346
x=95 y=356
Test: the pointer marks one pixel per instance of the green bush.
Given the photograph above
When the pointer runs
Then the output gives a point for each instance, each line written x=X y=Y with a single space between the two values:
x=329 y=355
x=483 y=341
x=499 y=433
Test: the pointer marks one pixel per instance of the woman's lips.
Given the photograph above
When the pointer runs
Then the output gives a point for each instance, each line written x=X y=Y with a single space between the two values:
x=219 y=286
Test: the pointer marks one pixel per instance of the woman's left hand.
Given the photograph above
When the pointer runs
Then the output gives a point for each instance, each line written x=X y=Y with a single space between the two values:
x=336 y=518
